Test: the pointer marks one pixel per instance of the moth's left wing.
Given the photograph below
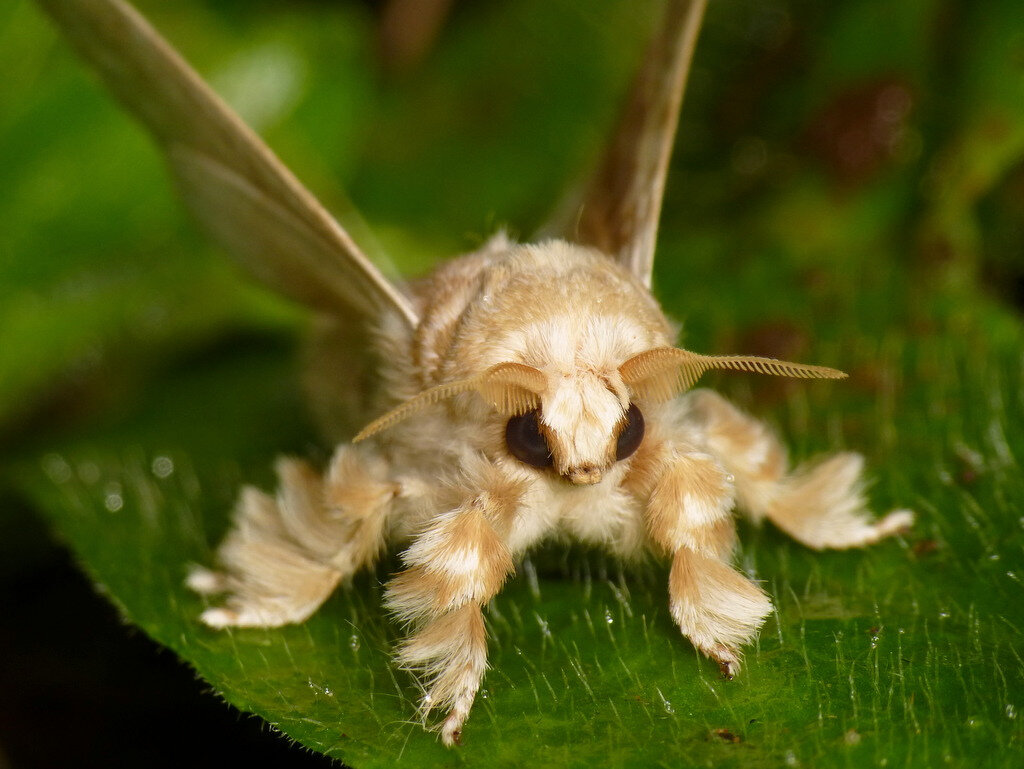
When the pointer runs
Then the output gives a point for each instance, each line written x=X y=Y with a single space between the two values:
x=619 y=210
x=233 y=184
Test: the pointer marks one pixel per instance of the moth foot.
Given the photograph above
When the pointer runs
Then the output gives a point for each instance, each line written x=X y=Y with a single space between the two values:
x=728 y=660
x=451 y=727
x=896 y=522
x=220 y=618
x=205 y=581
x=250 y=616
x=451 y=734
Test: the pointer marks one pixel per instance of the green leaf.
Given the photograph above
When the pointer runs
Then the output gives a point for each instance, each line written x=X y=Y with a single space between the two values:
x=890 y=653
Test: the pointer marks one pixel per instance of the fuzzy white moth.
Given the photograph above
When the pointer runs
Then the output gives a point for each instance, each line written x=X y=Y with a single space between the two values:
x=527 y=391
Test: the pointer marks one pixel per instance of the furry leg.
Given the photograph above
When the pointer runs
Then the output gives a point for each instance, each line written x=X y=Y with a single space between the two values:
x=821 y=505
x=284 y=556
x=453 y=568
x=689 y=515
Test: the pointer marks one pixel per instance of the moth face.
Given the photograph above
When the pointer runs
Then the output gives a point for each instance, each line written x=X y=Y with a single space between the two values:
x=584 y=425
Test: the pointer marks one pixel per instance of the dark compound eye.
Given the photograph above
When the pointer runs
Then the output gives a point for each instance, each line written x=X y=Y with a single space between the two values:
x=525 y=442
x=632 y=434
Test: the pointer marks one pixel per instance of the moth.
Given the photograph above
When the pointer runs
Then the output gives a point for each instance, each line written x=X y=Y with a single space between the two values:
x=523 y=391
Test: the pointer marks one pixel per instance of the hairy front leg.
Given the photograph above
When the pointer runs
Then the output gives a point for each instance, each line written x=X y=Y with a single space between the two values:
x=821 y=505
x=286 y=554
x=452 y=569
x=689 y=500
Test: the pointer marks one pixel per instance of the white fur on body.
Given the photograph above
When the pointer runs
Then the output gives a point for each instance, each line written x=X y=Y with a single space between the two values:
x=443 y=482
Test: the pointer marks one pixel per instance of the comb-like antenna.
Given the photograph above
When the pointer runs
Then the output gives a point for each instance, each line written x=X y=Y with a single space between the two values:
x=664 y=372
x=512 y=388
x=619 y=211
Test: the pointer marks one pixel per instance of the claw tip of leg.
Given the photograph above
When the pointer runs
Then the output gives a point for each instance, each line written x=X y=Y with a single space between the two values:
x=451 y=737
x=896 y=522
x=204 y=581
x=218 y=618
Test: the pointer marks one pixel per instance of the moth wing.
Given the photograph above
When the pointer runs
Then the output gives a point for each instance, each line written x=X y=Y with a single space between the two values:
x=237 y=189
x=619 y=209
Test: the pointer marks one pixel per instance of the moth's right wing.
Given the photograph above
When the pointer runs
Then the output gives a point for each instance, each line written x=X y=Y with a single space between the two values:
x=233 y=184
x=618 y=211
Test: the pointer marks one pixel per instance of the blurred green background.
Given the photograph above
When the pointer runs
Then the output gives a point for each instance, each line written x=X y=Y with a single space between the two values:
x=847 y=189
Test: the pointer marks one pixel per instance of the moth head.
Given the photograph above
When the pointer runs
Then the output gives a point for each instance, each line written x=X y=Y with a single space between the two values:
x=579 y=423
x=586 y=422
x=576 y=424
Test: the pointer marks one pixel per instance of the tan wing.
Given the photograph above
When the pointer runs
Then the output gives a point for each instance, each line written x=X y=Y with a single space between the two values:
x=233 y=184
x=618 y=213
